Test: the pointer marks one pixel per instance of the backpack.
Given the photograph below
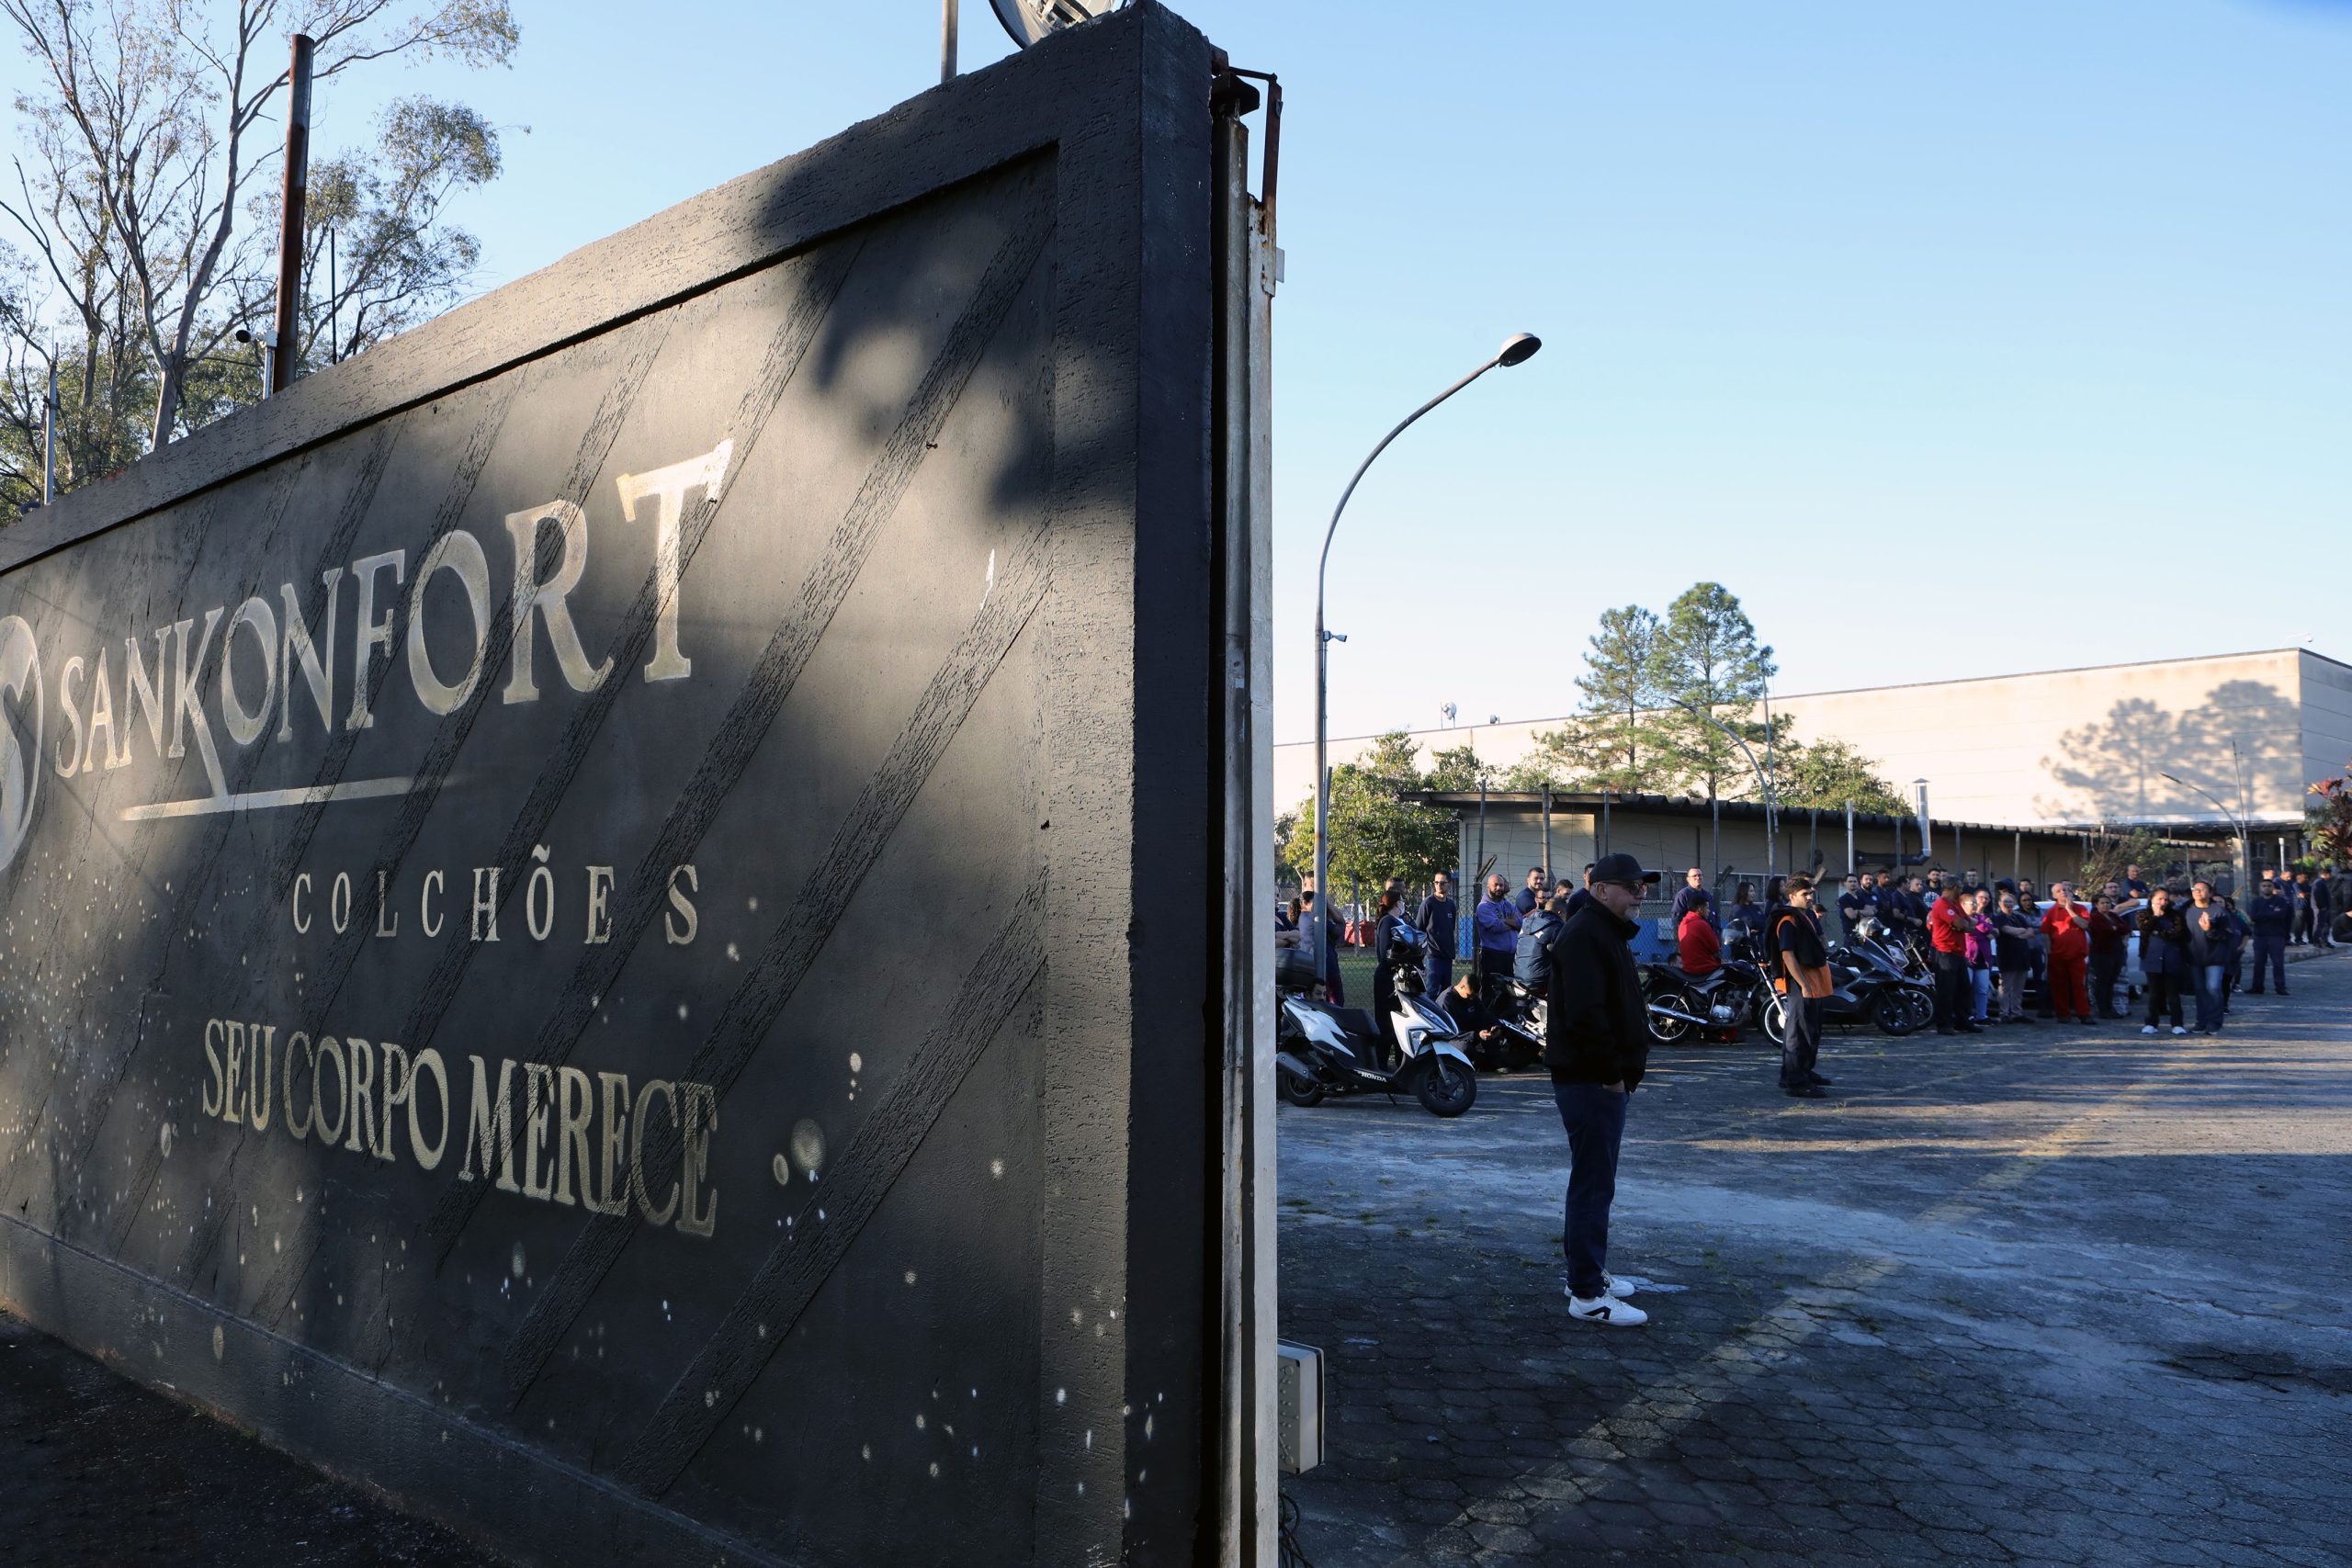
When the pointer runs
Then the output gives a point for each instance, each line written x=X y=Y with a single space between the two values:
x=1532 y=965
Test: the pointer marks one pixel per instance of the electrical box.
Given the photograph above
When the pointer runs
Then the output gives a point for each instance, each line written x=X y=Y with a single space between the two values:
x=1299 y=1405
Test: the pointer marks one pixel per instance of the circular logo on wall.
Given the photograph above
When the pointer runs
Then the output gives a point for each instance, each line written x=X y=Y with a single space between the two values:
x=20 y=720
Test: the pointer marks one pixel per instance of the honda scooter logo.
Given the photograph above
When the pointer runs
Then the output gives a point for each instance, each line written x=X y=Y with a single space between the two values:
x=20 y=716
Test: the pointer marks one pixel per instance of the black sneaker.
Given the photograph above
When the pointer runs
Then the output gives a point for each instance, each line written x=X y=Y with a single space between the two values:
x=1805 y=1091
x=1816 y=1079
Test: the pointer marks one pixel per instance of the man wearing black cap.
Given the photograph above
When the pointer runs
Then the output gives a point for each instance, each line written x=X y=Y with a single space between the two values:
x=1597 y=1045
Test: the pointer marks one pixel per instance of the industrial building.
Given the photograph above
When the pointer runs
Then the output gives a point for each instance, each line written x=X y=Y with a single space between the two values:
x=2046 y=754
x=1509 y=831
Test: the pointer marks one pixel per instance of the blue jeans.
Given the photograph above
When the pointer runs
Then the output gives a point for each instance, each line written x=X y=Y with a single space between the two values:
x=2209 y=994
x=1979 y=986
x=1595 y=1120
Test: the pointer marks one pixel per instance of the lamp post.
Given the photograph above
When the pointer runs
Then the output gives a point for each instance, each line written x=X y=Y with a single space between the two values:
x=2245 y=874
x=1516 y=350
x=1763 y=781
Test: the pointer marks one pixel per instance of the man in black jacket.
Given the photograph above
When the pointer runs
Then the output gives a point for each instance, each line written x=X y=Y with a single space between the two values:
x=1596 y=1046
x=2273 y=916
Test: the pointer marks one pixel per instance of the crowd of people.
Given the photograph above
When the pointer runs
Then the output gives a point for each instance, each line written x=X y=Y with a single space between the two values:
x=1993 y=947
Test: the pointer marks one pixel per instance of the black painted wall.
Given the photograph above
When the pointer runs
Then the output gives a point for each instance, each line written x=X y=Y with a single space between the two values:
x=775 y=745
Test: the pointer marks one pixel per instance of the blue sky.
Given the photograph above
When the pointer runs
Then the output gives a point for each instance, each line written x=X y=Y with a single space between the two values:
x=2033 y=311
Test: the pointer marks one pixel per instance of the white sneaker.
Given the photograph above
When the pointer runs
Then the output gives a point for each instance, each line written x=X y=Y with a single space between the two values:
x=2147 y=1029
x=1603 y=1309
x=2179 y=1030
x=1616 y=1289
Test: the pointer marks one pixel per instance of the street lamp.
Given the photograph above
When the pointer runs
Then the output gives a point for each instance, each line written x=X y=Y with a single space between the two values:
x=1516 y=350
x=2245 y=845
x=1763 y=783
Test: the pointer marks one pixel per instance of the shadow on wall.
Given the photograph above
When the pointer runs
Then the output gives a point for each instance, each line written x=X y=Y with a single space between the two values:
x=2113 y=771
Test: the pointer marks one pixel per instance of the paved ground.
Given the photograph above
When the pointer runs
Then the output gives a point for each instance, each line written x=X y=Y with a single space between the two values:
x=2041 y=1296
x=97 y=1473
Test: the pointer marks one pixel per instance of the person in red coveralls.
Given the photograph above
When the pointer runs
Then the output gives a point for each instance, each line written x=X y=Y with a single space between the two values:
x=2068 y=926
x=1948 y=932
x=1701 y=951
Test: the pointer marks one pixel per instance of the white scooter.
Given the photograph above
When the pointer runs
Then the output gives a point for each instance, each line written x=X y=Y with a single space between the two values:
x=1321 y=1049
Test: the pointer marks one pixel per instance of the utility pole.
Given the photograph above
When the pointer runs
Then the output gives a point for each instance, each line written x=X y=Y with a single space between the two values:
x=947 y=57
x=296 y=197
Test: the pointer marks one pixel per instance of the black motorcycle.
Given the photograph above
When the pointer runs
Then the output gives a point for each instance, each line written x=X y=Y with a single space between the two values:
x=1518 y=1011
x=1869 y=987
x=1723 y=1001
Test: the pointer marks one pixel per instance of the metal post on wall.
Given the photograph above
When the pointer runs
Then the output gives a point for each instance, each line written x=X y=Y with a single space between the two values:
x=1604 y=826
x=1850 y=838
x=49 y=435
x=1481 y=873
x=947 y=40
x=2016 y=855
x=1551 y=872
x=1716 y=844
x=286 y=342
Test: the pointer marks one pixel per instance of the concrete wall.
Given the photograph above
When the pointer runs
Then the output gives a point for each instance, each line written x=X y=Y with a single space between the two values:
x=2328 y=717
x=2068 y=747
x=611 y=1033
x=2085 y=746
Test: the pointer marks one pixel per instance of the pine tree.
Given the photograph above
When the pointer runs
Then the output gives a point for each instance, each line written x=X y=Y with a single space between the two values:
x=1615 y=736
x=1707 y=655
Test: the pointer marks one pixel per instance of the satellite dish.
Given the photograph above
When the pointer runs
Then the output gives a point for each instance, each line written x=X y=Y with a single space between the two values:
x=1030 y=21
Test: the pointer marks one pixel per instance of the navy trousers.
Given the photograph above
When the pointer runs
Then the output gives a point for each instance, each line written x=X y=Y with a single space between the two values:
x=2269 y=949
x=1595 y=1120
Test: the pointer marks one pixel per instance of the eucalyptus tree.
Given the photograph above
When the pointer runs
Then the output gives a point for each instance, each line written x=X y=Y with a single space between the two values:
x=143 y=212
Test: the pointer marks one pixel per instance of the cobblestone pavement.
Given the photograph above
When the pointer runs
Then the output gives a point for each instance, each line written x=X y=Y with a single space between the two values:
x=2048 y=1296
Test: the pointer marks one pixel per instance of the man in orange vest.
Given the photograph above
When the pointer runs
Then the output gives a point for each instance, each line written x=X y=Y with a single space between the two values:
x=1793 y=943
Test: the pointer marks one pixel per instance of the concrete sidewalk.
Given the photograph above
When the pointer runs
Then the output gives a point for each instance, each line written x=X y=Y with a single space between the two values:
x=2049 y=1295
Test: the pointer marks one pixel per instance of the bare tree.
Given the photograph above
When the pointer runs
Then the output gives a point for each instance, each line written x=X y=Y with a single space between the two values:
x=395 y=262
x=145 y=165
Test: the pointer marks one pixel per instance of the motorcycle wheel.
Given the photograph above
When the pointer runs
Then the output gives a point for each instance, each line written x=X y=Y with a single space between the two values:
x=1666 y=1031
x=1520 y=1056
x=1901 y=1013
x=1445 y=1087
x=1296 y=1087
x=1776 y=1021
